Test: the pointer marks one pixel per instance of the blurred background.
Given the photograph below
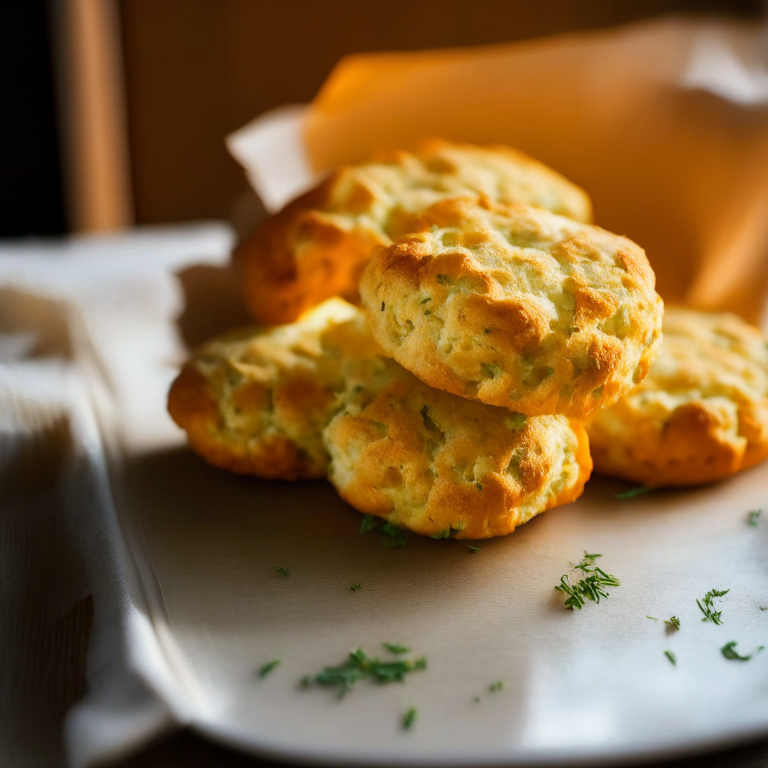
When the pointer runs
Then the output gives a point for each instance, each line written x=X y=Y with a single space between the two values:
x=114 y=111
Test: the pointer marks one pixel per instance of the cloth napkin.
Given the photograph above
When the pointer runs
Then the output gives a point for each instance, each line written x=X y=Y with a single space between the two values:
x=54 y=295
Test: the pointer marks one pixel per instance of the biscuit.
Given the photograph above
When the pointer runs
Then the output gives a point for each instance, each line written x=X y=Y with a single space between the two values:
x=700 y=415
x=516 y=307
x=440 y=465
x=256 y=401
x=317 y=246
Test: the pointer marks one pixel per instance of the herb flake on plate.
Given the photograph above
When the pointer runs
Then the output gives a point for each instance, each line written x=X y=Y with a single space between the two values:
x=591 y=587
x=708 y=609
x=389 y=535
x=265 y=669
x=359 y=666
x=730 y=652
x=673 y=623
x=397 y=648
x=632 y=492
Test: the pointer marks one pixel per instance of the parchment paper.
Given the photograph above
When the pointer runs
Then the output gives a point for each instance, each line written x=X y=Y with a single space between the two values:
x=665 y=124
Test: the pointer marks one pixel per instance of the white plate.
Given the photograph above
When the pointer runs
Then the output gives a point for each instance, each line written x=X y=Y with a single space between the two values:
x=578 y=686
x=198 y=606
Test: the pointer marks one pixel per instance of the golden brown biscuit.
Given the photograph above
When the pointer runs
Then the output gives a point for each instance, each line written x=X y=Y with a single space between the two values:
x=317 y=246
x=516 y=306
x=700 y=415
x=440 y=465
x=256 y=401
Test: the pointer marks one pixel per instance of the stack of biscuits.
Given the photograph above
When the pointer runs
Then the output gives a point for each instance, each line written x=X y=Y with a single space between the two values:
x=440 y=330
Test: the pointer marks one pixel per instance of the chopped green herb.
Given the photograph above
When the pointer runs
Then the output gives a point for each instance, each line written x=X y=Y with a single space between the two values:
x=671 y=656
x=424 y=301
x=359 y=666
x=764 y=609
x=651 y=617
x=730 y=652
x=673 y=623
x=392 y=536
x=518 y=420
x=478 y=486
x=597 y=392
x=389 y=535
x=497 y=686
x=708 y=609
x=355 y=587
x=268 y=667
x=446 y=534
x=490 y=370
x=487 y=330
x=409 y=718
x=427 y=311
x=477 y=699
x=383 y=305
x=591 y=587
x=282 y=569
x=632 y=492
x=442 y=279
x=369 y=523
x=472 y=548
x=754 y=517
x=396 y=648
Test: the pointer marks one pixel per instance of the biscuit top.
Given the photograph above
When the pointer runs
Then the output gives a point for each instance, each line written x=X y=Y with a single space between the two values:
x=516 y=306
x=318 y=245
x=702 y=411
x=383 y=194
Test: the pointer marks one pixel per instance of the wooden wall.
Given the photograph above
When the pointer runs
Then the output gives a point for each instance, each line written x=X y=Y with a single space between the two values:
x=197 y=69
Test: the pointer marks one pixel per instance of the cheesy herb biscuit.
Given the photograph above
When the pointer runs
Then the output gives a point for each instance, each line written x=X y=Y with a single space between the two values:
x=516 y=307
x=443 y=466
x=256 y=401
x=318 y=245
x=700 y=415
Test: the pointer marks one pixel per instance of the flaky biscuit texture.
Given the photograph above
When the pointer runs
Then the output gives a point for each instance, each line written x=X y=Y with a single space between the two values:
x=516 y=307
x=318 y=245
x=318 y=396
x=443 y=466
x=256 y=401
x=700 y=415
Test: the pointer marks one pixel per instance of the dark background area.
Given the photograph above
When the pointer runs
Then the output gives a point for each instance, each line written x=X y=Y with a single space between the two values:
x=195 y=70
x=31 y=191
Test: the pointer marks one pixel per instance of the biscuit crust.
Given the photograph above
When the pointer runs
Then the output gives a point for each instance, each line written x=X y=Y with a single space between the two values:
x=516 y=307
x=256 y=401
x=442 y=466
x=319 y=244
x=700 y=415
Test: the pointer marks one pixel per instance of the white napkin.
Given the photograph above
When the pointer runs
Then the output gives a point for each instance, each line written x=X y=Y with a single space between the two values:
x=55 y=299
